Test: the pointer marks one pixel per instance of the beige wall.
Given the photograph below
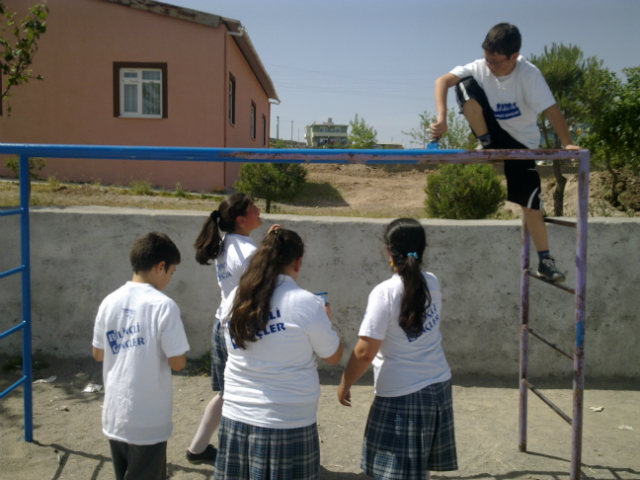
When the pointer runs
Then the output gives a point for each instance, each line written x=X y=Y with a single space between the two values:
x=74 y=104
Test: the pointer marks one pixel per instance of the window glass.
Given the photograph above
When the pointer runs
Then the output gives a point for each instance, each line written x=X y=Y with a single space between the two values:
x=150 y=98
x=130 y=98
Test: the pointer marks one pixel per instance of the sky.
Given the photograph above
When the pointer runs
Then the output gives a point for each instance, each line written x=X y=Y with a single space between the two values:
x=380 y=58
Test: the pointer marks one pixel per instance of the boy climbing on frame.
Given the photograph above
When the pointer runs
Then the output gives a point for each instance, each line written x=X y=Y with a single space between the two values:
x=501 y=96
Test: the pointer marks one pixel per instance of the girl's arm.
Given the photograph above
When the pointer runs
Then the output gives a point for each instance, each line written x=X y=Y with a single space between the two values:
x=363 y=354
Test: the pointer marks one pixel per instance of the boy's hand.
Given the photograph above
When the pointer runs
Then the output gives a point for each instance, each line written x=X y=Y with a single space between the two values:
x=438 y=128
x=572 y=147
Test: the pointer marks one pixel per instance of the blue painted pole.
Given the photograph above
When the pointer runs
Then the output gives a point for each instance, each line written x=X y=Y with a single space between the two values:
x=26 y=298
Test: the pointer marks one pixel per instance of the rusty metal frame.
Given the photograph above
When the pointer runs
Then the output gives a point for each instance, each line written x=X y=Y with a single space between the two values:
x=580 y=315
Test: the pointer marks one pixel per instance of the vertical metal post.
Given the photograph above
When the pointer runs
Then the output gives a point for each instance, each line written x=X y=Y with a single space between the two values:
x=524 y=334
x=26 y=297
x=581 y=292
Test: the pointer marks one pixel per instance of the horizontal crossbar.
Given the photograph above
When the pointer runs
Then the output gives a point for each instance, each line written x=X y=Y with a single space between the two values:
x=561 y=286
x=12 y=330
x=557 y=221
x=14 y=386
x=287 y=155
x=12 y=271
x=6 y=213
x=564 y=416
x=551 y=344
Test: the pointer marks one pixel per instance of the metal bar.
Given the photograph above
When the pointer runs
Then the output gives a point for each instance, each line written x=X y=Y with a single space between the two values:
x=524 y=336
x=561 y=286
x=564 y=223
x=13 y=387
x=12 y=330
x=291 y=155
x=6 y=213
x=26 y=297
x=551 y=344
x=580 y=309
x=12 y=271
x=548 y=402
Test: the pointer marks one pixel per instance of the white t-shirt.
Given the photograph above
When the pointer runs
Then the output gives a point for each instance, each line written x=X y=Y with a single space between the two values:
x=516 y=99
x=139 y=328
x=404 y=365
x=274 y=382
x=232 y=262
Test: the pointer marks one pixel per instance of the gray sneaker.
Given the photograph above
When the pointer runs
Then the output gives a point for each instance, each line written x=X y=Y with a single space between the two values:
x=547 y=269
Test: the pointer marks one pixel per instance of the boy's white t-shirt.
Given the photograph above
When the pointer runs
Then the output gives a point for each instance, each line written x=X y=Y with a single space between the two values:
x=404 y=365
x=516 y=99
x=274 y=382
x=139 y=328
x=232 y=262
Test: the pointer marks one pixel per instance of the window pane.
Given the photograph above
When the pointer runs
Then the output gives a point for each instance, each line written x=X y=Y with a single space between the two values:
x=130 y=74
x=151 y=98
x=151 y=75
x=130 y=98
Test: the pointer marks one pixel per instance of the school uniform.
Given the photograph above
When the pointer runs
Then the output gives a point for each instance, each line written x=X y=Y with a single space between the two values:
x=230 y=265
x=139 y=328
x=272 y=388
x=510 y=105
x=410 y=425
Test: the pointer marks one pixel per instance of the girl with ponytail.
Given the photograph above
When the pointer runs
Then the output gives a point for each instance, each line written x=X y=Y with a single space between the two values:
x=273 y=331
x=410 y=426
x=237 y=216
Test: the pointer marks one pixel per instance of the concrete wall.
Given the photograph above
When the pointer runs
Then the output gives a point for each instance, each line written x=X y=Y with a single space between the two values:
x=80 y=255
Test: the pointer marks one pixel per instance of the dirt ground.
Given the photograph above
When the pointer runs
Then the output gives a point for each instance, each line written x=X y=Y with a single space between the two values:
x=68 y=440
x=340 y=190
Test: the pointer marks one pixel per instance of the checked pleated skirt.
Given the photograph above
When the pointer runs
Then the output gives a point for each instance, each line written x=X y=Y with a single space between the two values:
x=410 y=435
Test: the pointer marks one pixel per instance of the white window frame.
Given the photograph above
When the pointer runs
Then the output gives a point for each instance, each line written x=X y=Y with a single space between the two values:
x=138 y=81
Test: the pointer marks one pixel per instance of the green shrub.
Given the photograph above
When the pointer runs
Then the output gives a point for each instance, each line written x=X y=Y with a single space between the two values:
x=141 y=187
x=34 y=164
x=271 y=181
x=464 y=192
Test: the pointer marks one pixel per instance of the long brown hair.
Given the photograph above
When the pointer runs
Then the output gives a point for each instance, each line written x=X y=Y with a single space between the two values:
x=252 y=302
x=406 y=241
x=209 y=242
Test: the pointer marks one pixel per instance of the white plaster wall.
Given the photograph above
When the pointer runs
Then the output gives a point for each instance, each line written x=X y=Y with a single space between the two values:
x=80 y=254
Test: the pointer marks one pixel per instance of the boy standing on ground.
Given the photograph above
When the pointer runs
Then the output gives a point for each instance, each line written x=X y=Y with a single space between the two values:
x=501 y=96
x=139 y=335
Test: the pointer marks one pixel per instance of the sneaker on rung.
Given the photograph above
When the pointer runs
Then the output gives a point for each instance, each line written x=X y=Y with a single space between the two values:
x=547 y=269
x=208 y=455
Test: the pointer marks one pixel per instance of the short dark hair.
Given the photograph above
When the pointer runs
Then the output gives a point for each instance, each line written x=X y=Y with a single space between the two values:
x=149 y=250
x=503 y=39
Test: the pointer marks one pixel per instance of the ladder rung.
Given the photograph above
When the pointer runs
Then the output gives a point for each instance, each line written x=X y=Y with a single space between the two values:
x=5 y=213
x=547 y=401
x=564 y=223
x=561 y=286
x=14 y=386
x=12 y=329
x=551 y=344
x=12 y=271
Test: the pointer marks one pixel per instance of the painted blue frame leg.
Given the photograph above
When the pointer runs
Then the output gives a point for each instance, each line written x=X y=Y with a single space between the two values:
x=26 y=298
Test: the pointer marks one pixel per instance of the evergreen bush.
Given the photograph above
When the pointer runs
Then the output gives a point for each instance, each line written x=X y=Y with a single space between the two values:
x=464 y=192
x=271 y=181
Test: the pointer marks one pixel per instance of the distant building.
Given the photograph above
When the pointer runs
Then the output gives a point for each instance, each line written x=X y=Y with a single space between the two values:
x=390 y=146
x=319 y=135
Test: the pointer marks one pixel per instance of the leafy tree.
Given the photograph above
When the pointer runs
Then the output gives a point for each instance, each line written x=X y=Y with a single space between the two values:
x=582 y=88
x=271 y=181
x=458 y=135
x=614 y=138
x=362 y=135
x=464 y=192
x=16 y=54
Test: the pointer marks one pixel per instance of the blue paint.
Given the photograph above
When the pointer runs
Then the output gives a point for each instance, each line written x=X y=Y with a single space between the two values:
x=580 y=334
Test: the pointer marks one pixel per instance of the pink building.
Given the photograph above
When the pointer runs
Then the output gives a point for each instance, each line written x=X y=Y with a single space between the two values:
x=140 y=72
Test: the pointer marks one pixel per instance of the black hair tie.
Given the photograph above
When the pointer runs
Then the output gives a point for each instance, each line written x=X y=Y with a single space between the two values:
x=215 y=215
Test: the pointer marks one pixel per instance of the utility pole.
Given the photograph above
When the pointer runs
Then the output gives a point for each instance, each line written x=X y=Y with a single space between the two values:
x=278 y=128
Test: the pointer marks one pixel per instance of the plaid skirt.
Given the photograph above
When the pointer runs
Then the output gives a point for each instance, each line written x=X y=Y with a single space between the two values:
x=218 y=357
x=410 y=435
x=247 y=452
